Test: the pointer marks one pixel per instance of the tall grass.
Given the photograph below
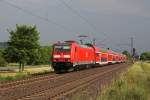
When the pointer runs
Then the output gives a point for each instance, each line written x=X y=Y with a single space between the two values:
x=22 y=75
x=132 y=85
x=28 y=72
x=17 y=76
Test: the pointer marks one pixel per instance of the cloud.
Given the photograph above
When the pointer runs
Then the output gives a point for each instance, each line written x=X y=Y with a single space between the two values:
x=115 y=18
x=128 y=7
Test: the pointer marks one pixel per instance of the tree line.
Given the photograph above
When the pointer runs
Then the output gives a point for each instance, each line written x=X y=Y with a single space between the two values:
x=145 y=56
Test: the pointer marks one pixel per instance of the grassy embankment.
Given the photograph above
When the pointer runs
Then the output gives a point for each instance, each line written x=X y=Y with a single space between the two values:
x=28 y=72
x=132 y=85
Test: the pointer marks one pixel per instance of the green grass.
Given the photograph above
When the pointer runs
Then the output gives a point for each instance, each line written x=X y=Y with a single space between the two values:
x=15 y=77
x=22 y=75
x=28 y=72
x=132 y=85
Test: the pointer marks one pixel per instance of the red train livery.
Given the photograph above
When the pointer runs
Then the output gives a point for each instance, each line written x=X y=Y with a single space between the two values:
x=70 y=55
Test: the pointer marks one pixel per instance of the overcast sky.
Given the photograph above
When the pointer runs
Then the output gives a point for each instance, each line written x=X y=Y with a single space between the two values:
x=111 y=22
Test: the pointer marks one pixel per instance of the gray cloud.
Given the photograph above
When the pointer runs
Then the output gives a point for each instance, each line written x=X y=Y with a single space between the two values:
x=115 y=20
x=129 y=7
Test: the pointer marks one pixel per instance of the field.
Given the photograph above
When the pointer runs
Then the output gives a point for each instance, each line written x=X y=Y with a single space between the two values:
x=132 y=85
x=29 y=70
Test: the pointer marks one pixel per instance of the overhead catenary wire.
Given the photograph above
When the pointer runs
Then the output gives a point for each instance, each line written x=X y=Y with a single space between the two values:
x=78 y=14
x=51 y=21
x=81 y=16
x=35 y=15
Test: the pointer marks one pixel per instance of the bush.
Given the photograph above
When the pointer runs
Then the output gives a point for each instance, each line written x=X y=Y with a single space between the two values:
x=127 y=54
x=3 y=62
x=44 y=55
x=145 y=56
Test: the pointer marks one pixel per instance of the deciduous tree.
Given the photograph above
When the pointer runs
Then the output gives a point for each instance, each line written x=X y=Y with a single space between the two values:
x=127 y=54
x=23 y=45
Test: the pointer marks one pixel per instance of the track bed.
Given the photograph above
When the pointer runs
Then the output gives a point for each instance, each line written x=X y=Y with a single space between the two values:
x=57 y=85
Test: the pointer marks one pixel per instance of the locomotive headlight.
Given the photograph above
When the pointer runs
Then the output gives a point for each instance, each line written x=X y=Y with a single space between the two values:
x=66 y=56
x=56 y=56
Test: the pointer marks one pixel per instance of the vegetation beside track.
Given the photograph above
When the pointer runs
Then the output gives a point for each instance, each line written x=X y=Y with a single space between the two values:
x=132 y=85
x=28 y=72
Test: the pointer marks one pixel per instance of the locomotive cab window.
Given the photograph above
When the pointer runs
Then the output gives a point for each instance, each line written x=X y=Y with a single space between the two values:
x=62 y=48
x=97 y=54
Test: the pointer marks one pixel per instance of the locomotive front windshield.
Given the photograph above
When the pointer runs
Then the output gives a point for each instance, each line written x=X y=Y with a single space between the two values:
x=62 y=48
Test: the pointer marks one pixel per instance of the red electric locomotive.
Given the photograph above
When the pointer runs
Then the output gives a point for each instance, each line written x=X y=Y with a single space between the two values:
x=70 y=55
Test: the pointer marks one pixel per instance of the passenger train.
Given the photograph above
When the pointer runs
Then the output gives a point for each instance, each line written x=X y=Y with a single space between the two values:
x=70 y=55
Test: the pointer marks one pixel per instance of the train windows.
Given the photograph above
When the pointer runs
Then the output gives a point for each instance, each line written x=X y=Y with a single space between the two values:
x=62 y=48
x=58 y=47
x=103 y=59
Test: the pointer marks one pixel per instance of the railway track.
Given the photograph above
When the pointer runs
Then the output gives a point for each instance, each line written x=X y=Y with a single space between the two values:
x=24 y=81
x=53 y=86
x=56 y=92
